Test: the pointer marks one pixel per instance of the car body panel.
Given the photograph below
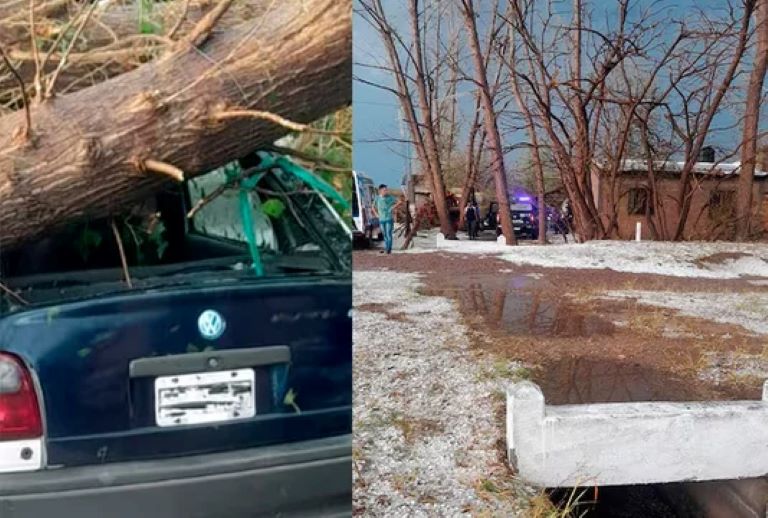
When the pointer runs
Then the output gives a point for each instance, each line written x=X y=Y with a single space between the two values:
x=297 y=479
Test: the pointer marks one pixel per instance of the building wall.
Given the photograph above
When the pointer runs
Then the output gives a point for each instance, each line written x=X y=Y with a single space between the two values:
x=700 y=223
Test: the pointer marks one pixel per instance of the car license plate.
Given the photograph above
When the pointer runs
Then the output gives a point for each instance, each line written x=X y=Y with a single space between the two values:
x=205 y=397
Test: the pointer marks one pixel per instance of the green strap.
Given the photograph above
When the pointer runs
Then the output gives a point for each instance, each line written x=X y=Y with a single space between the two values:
x=269 y=161
x=246 y=214
x=234 y=174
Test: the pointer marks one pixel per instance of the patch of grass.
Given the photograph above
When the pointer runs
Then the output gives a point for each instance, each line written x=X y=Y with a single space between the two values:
x=522 y=372
x=498 y=396
x=651 y=323
x=505 y=370
x=402 y=482
x=413 y=428
x=542 y=507
x=489 y=486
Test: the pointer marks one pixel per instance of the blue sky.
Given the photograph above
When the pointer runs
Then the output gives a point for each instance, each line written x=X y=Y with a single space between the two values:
x=376 y=112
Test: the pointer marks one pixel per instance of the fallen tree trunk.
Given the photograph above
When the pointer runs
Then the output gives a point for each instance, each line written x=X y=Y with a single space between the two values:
x=89 y=152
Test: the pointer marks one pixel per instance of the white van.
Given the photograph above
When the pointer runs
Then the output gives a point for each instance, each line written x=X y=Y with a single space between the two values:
x=366 y=224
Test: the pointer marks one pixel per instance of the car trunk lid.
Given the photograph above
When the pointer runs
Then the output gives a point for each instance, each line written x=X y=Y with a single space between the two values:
x=101 y=364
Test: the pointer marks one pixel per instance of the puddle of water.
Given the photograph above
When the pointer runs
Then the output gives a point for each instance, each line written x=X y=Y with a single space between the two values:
x=586 y=380
x=517 y=306
x=512 y=305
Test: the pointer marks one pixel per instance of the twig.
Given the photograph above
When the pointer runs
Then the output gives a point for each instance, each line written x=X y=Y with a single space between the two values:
x=306 y=157
x=164 y=168
x=32 y=35
x=93 y=57
x=63 y=62
x=205 y=200
x=179 y=22
x=61 y=34
x=123 y=259
x=277 y=119
x=204 y=27
x=13 y=294
x=27 y=111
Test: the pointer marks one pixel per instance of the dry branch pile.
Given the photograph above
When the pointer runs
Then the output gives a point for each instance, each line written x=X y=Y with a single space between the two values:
x=114 y=112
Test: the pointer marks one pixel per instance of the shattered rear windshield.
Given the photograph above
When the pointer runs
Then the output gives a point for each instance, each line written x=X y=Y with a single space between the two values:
x=194 y=232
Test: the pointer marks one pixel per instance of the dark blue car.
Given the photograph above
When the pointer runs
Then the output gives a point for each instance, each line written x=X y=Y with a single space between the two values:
x=192 y=381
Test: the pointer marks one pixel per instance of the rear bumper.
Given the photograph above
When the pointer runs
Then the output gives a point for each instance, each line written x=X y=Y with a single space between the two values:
x=290 y=479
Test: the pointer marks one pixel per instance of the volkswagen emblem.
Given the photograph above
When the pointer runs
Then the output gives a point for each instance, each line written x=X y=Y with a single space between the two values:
x=211 y=324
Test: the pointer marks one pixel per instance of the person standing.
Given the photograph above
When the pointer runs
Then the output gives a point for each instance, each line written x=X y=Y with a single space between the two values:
x=477 y=218
x=383 y=207
x=470 y=216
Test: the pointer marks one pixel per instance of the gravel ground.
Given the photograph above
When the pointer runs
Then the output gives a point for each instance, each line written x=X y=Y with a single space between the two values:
x=744 y=309
x=428 y=411
x=692 y=259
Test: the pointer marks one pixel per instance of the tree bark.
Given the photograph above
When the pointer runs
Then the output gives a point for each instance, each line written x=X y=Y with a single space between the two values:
x=744 y=199
x=493 y=138
x=88 y=151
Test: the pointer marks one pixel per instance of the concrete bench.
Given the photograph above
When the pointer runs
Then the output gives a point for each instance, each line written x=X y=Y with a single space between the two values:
x=634 y=443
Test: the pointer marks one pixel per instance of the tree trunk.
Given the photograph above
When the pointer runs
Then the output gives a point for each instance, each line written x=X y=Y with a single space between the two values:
x=469 y=181
x=430 y=133
x=538 y=166
x=744 y=199
x=491 y=126
x=89 y=149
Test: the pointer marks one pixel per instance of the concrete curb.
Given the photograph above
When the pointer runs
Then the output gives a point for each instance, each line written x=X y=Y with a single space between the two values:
x=634 y=443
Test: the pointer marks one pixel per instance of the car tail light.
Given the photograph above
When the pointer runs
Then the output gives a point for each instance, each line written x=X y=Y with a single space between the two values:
x=19 y=409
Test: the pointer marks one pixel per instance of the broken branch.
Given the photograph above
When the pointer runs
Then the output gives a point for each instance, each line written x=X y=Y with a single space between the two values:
x=27 y=113
x=164 y=168
x=203 y=29
x=180 y=21
x=8 y=291
x=277 y=119
x=123 y=259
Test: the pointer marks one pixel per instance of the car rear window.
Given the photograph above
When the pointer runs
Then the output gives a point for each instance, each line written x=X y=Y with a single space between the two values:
x=195 y=229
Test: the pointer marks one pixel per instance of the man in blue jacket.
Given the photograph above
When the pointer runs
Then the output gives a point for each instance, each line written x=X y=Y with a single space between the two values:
x=383 y=208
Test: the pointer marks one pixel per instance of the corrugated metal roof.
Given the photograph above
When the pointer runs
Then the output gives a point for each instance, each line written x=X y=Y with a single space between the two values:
x=723 y=168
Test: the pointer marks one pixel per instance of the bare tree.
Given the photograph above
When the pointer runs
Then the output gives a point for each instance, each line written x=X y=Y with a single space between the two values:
x=413 y=94
x=594 y=114
x=493 y=137
x=535 y=146
x=744 y=198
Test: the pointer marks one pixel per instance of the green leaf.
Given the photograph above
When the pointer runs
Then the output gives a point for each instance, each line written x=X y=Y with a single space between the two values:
x=290 y=400
x=273 y=208
x=146 y=27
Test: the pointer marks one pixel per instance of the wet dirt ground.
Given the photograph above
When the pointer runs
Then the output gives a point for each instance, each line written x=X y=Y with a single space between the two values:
x=581 y=348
